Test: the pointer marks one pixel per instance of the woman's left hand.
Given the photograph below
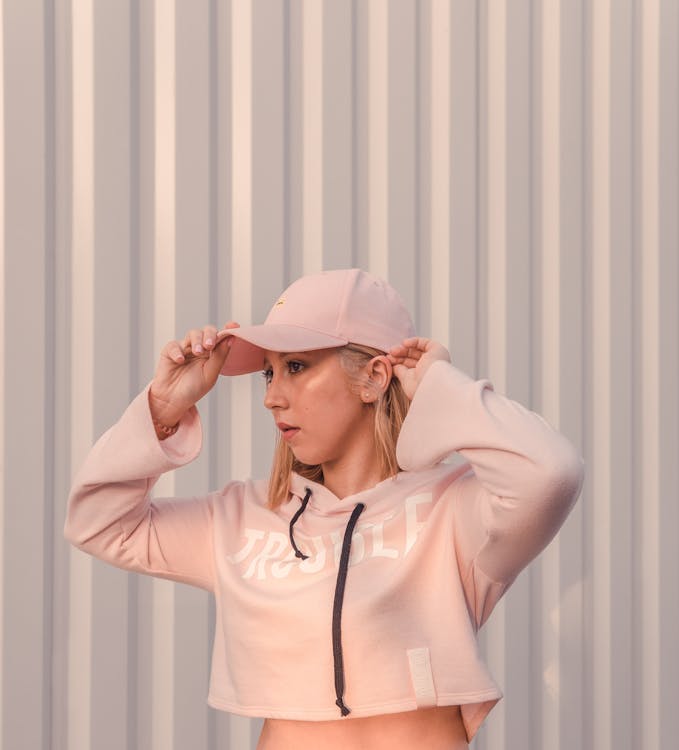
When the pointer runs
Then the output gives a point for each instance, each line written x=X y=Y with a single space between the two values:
x=412 y=358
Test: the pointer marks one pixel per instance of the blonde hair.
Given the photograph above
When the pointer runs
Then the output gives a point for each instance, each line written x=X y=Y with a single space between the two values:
x=390 y=408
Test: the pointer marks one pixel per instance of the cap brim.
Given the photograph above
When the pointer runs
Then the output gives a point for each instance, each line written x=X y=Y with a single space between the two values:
x=251 y=343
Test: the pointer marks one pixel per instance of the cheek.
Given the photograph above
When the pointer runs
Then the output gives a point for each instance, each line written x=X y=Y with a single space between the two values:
x=332 y=404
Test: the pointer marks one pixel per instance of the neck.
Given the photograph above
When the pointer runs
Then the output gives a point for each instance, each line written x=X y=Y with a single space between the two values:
x=351 y=475
x=358 y=467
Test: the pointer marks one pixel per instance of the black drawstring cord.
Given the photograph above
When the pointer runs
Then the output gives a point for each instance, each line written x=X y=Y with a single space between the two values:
x=293 y=520
x=339 y=594
x=337 y=609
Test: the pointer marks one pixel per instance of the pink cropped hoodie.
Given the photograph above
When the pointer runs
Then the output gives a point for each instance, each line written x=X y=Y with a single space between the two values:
x=327 y=607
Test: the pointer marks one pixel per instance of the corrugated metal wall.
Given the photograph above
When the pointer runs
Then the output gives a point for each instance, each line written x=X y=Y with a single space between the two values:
x=511 y=167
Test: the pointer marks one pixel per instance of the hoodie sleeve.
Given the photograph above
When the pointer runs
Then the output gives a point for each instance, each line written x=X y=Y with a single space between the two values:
x=522 y=482
x=111 y=516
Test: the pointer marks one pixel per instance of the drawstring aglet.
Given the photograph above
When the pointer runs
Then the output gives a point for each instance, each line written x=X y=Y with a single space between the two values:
x=301 y=555
x=340 y=704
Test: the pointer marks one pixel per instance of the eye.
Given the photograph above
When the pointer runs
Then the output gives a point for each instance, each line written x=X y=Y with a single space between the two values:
x=267 y=375
x=294 y=366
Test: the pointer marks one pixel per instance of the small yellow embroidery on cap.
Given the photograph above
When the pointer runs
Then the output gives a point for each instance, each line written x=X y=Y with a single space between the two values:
x=280 y=302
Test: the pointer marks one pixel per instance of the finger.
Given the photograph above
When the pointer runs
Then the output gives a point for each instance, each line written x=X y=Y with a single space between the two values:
x=195 y=337
x=217 y=358
x=224 y=332
x=174 y=351
x=402 y=358
x=410 y=357
x=415 y=343
x=209 y=336
x=418 y=343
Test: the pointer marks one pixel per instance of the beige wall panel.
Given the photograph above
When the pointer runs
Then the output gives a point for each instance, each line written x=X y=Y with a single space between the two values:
x=549 y=254
x=312 y=134
x=379 y=12
x=60 y=350
x=195 y=291
x=143 y=591
x=3 y=420
x=438 y=136
x=512 y=168
x=163 y=677
x=81 y=616
x=648 y=660
x=493 y=217
x=667 y=366
x=26 y=464
x=601 y=466
x=338 y=135
x=461 y=212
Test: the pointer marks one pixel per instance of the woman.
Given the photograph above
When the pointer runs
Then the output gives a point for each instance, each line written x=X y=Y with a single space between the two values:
x=349 y=586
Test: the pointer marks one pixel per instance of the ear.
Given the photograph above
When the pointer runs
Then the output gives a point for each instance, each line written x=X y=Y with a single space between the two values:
x=379 y=372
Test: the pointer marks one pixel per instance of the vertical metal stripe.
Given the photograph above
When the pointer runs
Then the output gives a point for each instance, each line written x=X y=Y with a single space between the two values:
x=496 y=312
x=337 y=96
x=141 y=624
x=295 y=181
x=601 y=362
x=550 y=345
x=497 y=194
x=3 y=396
x=621 y=394
x=550 y=194
x=164 y=275
x=241 y=149
x=463 y=205
x=165 y=177
x=163 y=668
x=193 y=303
x=668 y=365
x=111 y=341
x=82 y=365
x=362 y=125
x=401 y=128
x=378 y=135
x=268 y=199
x=440 y=171
x=650 y=371
x=313 y=135
x=242 y=213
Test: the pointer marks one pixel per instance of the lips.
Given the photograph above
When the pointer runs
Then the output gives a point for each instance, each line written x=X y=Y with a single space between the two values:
x=288 y=431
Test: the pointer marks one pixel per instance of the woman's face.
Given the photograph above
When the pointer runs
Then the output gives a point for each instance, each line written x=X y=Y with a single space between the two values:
x=311 y=399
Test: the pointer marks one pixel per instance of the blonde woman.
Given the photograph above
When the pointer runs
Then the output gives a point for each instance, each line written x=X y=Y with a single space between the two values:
x=350 y=584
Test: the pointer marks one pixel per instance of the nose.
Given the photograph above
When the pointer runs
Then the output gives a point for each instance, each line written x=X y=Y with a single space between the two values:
x=275 y=396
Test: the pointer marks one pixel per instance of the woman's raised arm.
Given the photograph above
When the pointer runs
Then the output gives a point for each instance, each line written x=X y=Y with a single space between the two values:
x=110 y=513
x=523 y=475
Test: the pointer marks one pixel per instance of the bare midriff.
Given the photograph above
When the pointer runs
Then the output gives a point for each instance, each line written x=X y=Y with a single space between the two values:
x=437 y=728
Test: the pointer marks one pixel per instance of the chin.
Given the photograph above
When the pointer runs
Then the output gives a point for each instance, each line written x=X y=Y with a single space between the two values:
x=309 y=458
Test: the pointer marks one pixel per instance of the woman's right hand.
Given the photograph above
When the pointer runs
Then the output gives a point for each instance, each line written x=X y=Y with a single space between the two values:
x=186 y=371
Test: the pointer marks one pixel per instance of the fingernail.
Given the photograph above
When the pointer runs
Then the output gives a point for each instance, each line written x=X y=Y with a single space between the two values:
x=198 y=349
x=209 y=342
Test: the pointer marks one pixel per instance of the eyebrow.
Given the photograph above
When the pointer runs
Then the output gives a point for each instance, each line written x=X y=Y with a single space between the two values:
x=285 y=354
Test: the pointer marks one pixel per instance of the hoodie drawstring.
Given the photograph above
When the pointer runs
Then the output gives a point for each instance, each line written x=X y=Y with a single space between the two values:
x=337 y=609
x=339 y=594
x=293 y=521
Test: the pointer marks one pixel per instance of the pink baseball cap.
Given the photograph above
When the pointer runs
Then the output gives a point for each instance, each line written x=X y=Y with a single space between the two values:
x=321 y=311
